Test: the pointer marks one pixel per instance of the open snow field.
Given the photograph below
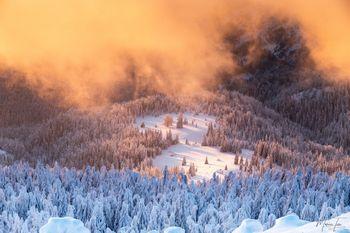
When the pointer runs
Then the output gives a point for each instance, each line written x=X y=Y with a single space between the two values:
x=193 y=151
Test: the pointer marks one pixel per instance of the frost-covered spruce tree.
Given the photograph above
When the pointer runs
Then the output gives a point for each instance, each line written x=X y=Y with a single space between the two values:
x=192 y=226
x=263 y=218
x=141 y=215
x=153 y=223
x=309 y=213
x=326 y=212
x=270 y=221
x=180 y=121
x=124 y=217
x=97 y=222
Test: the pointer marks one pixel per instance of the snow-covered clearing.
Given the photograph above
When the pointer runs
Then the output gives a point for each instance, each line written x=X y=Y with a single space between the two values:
x=193 y=151
x=292 y=224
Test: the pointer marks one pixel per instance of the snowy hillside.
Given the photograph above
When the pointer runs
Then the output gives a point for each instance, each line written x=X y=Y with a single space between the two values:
x=292 y=224
x=192 y=151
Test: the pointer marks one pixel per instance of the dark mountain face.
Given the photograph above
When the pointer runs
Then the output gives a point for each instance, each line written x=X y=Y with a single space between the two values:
x=270 y=60
x=21 y=104
x=275 y=66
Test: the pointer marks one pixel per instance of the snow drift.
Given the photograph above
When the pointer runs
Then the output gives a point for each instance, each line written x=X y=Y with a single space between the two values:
x=285 y=223
x=72 y=225
x=64 y=225
x=293 y=224
x=174 y=230
x=249 y=226
x=288 y=224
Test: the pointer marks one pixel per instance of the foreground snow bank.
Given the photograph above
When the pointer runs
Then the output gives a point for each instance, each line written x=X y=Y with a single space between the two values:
x=71 y=225
x=64 y=225
x=169 y=230
x=249 y=226
x=293 y=224
x=174 y=230
x=288 y=222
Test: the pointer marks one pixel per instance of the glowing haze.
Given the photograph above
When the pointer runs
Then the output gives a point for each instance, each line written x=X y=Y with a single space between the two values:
x=87 y=48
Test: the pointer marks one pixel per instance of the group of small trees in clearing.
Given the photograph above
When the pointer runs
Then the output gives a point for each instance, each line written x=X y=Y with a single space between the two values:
x=168 y=121
x=184 y=162
x=191 y=170
x=181 y=121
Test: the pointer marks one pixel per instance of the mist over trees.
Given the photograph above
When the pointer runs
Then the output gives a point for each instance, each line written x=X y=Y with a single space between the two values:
x=107 y=135
x=21 y=104
x=275 y=67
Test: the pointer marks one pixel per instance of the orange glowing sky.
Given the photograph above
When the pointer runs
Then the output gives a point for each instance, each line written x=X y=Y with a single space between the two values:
x=84 y=45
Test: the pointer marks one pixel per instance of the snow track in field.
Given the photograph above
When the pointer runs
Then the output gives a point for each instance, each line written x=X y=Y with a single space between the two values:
x=193 y=151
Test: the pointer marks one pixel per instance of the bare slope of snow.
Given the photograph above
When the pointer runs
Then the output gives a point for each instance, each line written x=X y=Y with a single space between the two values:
x=292 y=224
x=193 y=151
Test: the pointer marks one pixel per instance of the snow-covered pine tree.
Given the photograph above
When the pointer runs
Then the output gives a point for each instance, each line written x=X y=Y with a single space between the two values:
x=180 y=121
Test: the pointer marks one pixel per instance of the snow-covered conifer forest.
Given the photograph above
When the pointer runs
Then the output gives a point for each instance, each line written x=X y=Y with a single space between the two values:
x=261 y=146
x=126 y=200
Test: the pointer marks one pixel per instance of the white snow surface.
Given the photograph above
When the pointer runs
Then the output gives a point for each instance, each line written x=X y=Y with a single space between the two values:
x=174 y=230
x=285 y=223
x=63 y=225
x=292 y=224
x=194 y=152
x=249 y=226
